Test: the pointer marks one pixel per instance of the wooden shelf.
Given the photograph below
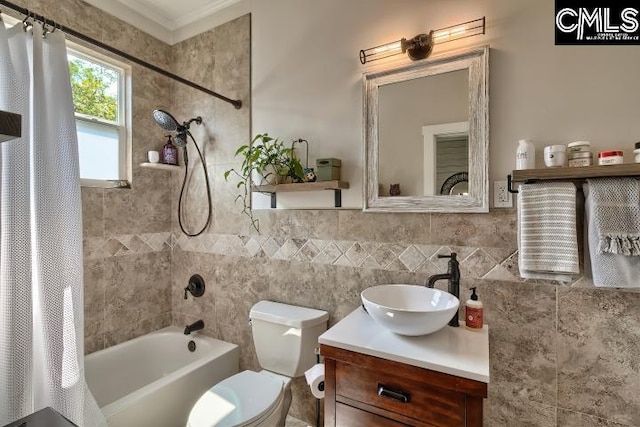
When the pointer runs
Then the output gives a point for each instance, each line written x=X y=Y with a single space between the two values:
x=302 y=186
x=546 y=174
x=336 y=186
x=579 y=173
x=162 y=166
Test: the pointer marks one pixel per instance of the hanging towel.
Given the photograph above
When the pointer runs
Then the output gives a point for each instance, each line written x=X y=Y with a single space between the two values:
x=547 y=237
x=612 y=208
x=616 y=213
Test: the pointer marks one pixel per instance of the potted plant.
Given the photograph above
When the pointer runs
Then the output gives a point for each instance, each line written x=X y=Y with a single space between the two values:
x=265 y=161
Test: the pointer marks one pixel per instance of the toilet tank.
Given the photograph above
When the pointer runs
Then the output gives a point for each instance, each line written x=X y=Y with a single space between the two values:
x=286 y=336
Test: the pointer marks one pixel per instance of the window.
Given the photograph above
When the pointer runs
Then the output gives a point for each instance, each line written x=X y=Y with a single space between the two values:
x=100 y=99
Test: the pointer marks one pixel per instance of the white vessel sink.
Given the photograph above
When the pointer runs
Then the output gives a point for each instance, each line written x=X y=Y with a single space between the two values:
x=409 y=309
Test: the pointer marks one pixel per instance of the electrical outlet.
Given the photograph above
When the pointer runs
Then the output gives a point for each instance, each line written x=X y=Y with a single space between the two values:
x=501 y=196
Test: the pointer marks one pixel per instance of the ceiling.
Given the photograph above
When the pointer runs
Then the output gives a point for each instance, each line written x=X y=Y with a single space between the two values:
x=173 y=21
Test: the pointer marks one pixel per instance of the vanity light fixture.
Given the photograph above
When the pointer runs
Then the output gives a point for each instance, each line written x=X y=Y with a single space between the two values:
x=421 y=45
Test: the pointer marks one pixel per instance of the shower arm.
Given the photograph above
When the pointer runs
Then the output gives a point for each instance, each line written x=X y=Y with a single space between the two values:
x=187 y=125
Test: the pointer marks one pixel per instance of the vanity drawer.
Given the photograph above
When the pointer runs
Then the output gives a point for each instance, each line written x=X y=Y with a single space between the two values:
x=348 y=416
x=409 y=397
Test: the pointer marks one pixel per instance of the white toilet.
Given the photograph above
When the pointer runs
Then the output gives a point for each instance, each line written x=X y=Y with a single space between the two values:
x=285 y=337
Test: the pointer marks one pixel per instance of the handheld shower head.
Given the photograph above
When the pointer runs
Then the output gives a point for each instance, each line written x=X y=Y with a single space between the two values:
x=165 y=120
x=180 y=139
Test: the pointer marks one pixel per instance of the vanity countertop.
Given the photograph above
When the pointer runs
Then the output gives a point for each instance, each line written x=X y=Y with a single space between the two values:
x=454 y=351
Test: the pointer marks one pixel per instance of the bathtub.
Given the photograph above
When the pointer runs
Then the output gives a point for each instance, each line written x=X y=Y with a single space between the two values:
x=154 y=380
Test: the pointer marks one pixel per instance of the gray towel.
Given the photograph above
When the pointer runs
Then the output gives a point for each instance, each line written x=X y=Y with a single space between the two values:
x=547 y=237
x=616 y=212
x=612 y=207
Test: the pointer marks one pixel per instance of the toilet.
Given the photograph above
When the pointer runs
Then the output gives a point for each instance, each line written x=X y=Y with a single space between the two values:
x=285 y=339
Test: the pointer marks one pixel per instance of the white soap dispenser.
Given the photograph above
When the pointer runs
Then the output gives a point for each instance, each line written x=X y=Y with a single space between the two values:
x=525 y=155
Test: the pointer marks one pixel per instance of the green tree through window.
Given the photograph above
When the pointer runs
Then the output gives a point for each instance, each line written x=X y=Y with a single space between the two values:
x=94 y=89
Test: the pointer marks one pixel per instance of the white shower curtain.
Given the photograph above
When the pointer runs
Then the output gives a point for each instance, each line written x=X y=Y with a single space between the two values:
x=41 y=289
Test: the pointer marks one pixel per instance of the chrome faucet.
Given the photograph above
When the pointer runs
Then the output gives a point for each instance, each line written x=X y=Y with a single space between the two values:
x=453 y=275
x=195 y=326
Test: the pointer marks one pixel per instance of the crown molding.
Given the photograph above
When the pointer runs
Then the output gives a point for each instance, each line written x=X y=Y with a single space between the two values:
x=145 y=15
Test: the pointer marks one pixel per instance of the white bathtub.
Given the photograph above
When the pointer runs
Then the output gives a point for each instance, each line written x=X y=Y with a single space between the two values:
x=154 y=380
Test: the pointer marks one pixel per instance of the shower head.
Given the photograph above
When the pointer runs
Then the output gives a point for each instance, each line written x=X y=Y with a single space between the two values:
x=180 y=139
x=165 y=120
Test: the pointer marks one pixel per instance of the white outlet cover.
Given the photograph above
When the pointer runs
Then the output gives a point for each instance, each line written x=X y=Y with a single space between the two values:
x=501 y=196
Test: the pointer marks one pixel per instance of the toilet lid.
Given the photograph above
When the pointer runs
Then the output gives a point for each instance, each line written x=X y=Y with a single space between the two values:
x=238 y=400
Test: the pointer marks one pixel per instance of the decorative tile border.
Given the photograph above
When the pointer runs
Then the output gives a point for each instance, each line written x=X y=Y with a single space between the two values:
x=475 y=262
x=127 y=244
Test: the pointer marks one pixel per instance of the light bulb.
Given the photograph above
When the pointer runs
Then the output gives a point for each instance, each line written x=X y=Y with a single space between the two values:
x=388 y=47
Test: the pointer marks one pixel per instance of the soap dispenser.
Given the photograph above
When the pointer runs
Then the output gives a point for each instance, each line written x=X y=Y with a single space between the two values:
x=474 y=312
x=169 y=153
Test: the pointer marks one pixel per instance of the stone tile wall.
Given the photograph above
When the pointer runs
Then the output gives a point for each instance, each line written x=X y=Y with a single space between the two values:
x=559 y=354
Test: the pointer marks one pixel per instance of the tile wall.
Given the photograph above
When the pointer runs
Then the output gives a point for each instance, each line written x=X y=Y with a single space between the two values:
x=560 y=355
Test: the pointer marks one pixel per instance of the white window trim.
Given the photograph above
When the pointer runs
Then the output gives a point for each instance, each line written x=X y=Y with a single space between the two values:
x=430 y=136
x=124 y=115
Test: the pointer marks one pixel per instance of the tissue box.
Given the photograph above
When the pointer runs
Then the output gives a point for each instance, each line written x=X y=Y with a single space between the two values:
x=328 y=169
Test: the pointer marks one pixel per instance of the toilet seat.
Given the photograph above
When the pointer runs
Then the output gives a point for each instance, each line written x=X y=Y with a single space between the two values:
x=243 y=399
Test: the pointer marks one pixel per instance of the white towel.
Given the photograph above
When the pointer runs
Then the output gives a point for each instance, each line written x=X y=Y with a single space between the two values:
x=612 y=208
x=547 y=237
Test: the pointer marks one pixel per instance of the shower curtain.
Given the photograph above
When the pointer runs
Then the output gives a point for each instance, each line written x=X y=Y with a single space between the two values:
x=41 y=289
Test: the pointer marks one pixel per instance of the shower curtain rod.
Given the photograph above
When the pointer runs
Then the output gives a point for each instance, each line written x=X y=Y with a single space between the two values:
x=73 y=33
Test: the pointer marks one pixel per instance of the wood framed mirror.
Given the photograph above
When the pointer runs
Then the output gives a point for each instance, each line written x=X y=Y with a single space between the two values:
x=426 y=135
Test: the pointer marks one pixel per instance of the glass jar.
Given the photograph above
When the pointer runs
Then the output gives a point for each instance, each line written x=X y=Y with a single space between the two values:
x=580 y=154
x=578 y=159
x=579 y=146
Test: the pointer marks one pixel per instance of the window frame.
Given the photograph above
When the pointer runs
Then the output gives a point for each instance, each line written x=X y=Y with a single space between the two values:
x=123 y=125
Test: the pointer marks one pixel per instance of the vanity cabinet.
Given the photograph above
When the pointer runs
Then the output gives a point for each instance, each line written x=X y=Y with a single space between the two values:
x=364 y=390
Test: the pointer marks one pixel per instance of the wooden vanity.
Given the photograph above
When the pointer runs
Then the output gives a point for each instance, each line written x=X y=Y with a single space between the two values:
x=374 y=377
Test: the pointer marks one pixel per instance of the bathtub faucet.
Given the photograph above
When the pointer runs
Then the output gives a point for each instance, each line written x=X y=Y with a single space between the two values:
x=195 y=326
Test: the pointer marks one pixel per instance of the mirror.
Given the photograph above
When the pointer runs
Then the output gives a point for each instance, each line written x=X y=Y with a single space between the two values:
x=426 y=135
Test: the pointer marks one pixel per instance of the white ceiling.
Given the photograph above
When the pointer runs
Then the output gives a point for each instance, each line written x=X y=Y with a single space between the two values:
x=173 y=21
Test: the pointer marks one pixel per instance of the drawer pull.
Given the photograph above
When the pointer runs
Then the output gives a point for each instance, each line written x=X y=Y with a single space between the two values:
x=400 y=396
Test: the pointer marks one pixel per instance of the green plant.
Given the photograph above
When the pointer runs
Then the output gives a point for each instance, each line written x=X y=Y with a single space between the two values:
x=268 y=159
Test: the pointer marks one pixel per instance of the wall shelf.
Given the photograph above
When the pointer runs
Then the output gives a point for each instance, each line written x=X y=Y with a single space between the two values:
x=161 y=166
x=565 y=174
x=336 y=186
